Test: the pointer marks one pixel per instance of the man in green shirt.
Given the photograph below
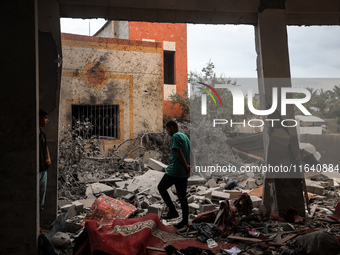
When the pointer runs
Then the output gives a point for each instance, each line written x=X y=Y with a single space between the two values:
x=177 y=173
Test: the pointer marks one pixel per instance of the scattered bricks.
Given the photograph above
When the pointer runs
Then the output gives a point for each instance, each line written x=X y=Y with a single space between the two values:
x=212 y=183
x=233 y=193
x=206 y=208
x=220 y=195
x=155 y=208
x=194 y=206
x=196 y=180
x=256 y=201
x=157 y=165
x=121 y=192
x=79 y=206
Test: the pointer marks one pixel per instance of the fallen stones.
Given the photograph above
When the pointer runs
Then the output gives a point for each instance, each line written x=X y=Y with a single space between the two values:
x=157 y=165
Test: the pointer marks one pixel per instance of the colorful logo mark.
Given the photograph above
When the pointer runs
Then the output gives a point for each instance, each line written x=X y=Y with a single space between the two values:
x=209 y=93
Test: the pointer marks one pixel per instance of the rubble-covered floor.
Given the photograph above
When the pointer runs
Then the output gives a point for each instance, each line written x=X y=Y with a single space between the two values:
x=136 y=183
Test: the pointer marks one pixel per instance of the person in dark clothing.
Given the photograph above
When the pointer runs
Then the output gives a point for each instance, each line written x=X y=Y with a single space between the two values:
x=177 y=173
x=44 y=157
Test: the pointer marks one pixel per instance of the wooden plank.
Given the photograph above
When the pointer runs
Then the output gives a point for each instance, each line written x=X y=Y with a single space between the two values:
x=283 y=240
x=247 y=239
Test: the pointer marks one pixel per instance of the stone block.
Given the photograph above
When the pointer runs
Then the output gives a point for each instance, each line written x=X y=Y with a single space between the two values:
x=79 y=206
x=157 y=165
x=196 y=180
x=155 y=208
x=256 y=201
x=206 y=208
x=220 y=195
x=234 y=194
x=316 y=189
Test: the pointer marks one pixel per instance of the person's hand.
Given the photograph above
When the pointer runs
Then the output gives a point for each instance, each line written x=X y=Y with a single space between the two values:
x=188 y=169
x=48 y=163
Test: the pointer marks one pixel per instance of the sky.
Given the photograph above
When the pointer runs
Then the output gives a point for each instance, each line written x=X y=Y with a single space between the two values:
x=314 y=51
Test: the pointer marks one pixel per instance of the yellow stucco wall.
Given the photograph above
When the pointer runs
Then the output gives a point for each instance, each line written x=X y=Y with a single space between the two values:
x=113 y=71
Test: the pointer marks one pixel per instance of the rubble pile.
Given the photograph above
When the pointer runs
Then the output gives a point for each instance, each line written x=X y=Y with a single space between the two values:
x=233 y=203
x=229 y=206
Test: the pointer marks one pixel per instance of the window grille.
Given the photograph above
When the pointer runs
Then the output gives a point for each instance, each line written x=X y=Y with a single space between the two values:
x=96 y=120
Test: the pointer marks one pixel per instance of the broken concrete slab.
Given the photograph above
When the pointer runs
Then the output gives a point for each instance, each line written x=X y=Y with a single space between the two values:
x=156 y=165
x=70 y=209
x=79 y=206
x=121 y=192
x=87 y=203
x=196 y=180
x=256 y=201
x=234 y=194
x=100 y=188
x=314 y=187
x=220 y=195
x=150 y=180
x=151 y=154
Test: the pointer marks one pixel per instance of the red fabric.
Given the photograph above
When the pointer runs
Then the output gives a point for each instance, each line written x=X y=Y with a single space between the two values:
x=336 y=215
x=106 y=209
x=124 y=236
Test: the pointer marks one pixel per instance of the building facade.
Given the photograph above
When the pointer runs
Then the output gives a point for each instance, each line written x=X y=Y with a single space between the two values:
x=114 y=85
x=174 y=44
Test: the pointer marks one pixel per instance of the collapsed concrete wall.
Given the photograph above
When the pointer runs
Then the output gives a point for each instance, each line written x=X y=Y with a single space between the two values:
x=105 y=75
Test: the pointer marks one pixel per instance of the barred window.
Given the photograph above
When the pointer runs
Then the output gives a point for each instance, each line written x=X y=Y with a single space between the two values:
x=96 y=120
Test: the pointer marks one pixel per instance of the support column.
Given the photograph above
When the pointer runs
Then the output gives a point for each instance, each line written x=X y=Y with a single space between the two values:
x=281 y=191
x=49 y=96
x=19 y=128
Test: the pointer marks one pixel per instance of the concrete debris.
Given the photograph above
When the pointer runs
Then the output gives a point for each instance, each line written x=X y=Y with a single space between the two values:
x=135 y=181
x=156 y=165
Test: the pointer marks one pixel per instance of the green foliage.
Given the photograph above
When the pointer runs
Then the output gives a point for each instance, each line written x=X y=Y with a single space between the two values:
x=324 y=104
